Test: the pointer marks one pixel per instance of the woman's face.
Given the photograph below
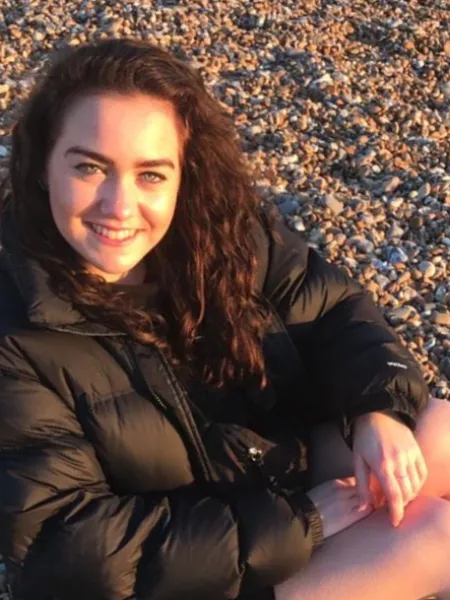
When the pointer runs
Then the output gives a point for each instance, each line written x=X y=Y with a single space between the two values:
x=113 y=178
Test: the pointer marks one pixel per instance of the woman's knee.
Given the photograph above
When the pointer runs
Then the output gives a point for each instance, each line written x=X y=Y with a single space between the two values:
x=433 y=437
x=433 y=426
x=428 y=518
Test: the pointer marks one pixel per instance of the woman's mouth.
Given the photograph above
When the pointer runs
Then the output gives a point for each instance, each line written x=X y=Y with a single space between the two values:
x=115 y=237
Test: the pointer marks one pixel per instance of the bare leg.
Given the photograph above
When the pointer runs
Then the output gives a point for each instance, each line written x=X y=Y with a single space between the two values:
x=373 y=560
x=433 y=436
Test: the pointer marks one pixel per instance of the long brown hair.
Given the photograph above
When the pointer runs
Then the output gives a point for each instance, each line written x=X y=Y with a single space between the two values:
x=213 y=320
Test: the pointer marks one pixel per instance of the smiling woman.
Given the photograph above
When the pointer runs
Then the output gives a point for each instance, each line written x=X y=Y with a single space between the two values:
x=167 y=350
x=105 y=201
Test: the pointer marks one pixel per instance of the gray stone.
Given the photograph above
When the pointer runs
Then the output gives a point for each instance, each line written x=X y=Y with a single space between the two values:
x=401 y=314
x=382 y=281
x=428 y=268
x=397 y=255
x=288 y=207
x=445 y=366
x=298 y=224
x=424 y=191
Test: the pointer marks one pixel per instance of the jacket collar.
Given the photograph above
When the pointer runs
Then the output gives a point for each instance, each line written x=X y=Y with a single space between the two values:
x=43 y=307
x=46 y=310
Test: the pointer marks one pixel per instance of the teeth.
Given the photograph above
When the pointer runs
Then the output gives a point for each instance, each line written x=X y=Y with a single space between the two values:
x=113 y=234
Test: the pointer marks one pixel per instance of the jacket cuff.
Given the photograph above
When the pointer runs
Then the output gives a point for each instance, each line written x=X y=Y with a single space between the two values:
x=302 y=505
x=394 y=405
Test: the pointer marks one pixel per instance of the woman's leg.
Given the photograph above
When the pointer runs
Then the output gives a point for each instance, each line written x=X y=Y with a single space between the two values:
x=373 y=560
x=433 y=436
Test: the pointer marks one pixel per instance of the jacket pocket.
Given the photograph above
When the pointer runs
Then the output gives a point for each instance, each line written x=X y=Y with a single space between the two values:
x=240 y=455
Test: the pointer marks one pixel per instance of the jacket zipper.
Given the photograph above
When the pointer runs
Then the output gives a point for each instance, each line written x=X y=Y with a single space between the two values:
x=188 y=421
x=255 y=456
x=190 y=424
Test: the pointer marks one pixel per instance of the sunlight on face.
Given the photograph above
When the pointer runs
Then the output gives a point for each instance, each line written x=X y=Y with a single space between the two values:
x=113 y=178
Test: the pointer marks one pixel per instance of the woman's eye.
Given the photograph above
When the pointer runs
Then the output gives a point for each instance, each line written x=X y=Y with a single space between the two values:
x=88 y=168
x=151 y=177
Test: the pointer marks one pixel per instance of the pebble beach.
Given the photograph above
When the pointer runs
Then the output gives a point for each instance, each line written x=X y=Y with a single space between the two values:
x=343 y=108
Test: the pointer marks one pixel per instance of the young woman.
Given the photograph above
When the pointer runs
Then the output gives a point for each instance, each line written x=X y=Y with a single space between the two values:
x=166 y=353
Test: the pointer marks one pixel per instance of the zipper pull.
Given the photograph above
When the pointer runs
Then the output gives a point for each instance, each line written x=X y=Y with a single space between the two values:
x=255 y=455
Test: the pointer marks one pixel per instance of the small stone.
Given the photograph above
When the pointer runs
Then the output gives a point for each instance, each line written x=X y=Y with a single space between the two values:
x=316 y=236
x=401 y=314
x=441 y=293
x=287 y=207
x=445 y=366
x=445 y=89
x=430 y=343
x=382 y=281
x=396 y=203
x=298 y=224
x=395 y=231
x=391 y=184
x=427 y=268
x=416 y=222
x=361 y=244
x=424 y=191
x=333 y=204
x=442 y=318
x=397 y=255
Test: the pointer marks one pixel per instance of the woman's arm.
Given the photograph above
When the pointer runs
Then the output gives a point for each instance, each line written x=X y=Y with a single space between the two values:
x=64 y=533
x=355 y=361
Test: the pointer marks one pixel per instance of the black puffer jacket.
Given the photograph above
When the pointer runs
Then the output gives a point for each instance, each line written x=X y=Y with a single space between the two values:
x=111 y=483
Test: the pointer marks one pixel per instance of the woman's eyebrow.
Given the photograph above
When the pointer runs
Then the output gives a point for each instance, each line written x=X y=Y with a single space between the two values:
x=155 y=162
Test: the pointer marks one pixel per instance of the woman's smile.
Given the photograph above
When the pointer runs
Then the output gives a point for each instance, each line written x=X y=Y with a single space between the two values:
x=113 y=237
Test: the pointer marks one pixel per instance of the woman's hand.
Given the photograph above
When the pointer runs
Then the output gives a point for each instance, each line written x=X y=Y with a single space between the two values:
x=385 y=449
x=338 y=504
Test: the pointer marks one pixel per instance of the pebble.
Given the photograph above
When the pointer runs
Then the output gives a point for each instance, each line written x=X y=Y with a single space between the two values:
x=401 y=314
x=428 y=268
x=395 y=231
x=391 y=184
x=442 y=318
x=397 y=255
x=382 y=281
x=334 y=205
x=344 y=115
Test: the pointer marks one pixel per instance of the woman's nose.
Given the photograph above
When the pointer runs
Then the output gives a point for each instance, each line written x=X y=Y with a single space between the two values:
x=118 y=200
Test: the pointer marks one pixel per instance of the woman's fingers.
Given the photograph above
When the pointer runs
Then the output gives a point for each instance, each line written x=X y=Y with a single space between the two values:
x=422 y=469
x=362 y=474
x=403 y=477
x=415 y=480
x=393 y=494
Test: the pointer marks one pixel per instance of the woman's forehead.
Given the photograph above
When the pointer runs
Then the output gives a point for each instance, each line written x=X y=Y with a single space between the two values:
x=135 y=127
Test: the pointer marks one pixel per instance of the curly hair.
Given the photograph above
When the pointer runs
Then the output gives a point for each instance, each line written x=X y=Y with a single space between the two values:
x=213 y=319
